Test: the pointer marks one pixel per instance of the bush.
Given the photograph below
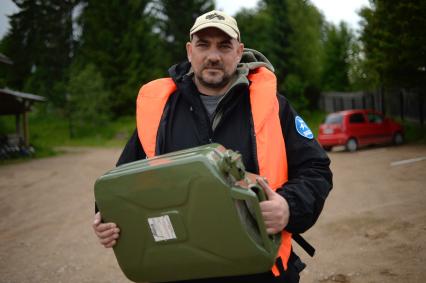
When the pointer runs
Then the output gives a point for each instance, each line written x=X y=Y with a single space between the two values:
x=87 y=101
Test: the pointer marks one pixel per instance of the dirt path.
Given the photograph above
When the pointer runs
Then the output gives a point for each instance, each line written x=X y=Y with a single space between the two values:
x=373 y=228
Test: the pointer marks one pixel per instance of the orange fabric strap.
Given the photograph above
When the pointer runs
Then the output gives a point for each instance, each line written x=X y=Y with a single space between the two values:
x=150 y=105
x=270 y=145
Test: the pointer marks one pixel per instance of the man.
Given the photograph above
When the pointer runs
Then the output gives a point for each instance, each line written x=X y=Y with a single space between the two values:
x=227 y=94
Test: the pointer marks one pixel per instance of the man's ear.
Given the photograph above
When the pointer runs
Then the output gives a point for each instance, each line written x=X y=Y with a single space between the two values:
x=189 y=51
x=240 y=51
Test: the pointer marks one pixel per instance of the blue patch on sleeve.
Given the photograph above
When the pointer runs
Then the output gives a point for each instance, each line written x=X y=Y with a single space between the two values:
x=302 y=128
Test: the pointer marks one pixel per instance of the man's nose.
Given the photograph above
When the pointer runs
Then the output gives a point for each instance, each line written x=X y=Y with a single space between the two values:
x=213 y=55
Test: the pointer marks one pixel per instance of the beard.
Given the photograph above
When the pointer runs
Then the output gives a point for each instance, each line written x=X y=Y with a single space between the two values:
x=215 y=81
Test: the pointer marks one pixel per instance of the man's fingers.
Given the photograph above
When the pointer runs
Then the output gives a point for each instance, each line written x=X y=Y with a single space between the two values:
x=273 y=227
x=265 y=205
x=106 y=241
x=275 y=215
x=268 y=206
x=110 y=244
x=268 y=216
x=108 y=233
x=105 y=226
x=267 y=210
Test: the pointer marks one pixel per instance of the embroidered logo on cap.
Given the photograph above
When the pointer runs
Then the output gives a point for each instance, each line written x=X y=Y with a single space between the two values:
x=302 y=128
x=215 y=15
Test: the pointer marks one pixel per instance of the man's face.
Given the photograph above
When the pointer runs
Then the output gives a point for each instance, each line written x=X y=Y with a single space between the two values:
x=214 y=57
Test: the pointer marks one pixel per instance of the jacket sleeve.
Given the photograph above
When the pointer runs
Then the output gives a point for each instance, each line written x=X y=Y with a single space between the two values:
x=133 y=150
x=309 y=174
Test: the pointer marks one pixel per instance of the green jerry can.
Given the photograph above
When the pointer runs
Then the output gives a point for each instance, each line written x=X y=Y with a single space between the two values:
x=186 y=215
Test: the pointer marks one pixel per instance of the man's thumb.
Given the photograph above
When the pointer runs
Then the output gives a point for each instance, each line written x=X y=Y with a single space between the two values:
x=266 y=188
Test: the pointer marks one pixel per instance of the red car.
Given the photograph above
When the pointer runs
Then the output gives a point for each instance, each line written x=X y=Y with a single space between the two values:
x=355 y=128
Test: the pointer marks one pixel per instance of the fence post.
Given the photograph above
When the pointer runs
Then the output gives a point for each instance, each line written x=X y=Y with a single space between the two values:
x=382 y=98
x=324 y=102
x=401 y=104
x=334 y=104
x=421 y=114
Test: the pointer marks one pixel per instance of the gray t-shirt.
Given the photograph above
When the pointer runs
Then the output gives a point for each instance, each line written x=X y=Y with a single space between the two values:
x=210 y=103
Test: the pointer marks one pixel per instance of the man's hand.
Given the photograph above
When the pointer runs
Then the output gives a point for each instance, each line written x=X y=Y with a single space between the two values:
x=275 y=210
x=107 y=233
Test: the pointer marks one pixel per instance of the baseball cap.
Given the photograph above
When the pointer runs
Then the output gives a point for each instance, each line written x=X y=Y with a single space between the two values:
x=216 y=19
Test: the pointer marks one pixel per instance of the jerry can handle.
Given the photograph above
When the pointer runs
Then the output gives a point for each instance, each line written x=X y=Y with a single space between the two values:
x=260 y=192
x=261 y=195
x=251 y=196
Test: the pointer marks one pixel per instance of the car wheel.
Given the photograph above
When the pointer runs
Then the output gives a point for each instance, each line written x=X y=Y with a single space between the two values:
x=327 y=148
x=398 y=138
x=351 y=145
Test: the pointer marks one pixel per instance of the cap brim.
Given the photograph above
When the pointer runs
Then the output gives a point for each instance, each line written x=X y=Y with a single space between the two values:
x=225 y=28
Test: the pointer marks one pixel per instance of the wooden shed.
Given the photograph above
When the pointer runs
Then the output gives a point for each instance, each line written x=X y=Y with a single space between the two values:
x=18 y=104
x=5 y=60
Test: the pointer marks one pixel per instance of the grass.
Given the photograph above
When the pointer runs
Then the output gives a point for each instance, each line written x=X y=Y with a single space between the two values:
x=415 y=133
x=51 y=132
x=314 y=119
x=47 y=133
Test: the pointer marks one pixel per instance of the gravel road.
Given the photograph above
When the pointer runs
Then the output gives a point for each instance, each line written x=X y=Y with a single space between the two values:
x=373 y=228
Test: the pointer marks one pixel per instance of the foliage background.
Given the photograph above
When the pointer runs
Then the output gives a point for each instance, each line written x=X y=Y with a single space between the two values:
x=89 y=57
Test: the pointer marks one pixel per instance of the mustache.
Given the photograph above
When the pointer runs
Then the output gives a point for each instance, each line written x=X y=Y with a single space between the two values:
x=213 y=65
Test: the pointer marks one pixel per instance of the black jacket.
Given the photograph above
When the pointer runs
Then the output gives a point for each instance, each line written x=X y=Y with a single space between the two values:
x=185 y=123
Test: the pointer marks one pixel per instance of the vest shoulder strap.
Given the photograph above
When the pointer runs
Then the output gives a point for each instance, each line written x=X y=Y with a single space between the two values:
x=150 y=104
x=271 y=154
x=270 y=144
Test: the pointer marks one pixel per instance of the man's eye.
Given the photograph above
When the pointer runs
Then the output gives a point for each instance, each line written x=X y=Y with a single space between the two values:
x=226 y=46
x=202 y=44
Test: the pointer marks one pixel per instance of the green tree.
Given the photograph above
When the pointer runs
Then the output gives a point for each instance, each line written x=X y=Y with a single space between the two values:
x=117 y=38
x=289 y=34
x=174 y=20
x=305 y=54
x=338 y=43
x=279 y=31
x=88 y=101
x=253 y=24
x=40 y=42
x=394 y=40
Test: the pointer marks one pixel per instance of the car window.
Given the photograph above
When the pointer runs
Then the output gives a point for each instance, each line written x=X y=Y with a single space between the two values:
x=356 y=118
x=333 y=119
x=375 y=118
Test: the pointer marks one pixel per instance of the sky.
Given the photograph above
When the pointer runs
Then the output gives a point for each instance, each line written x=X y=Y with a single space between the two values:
x=7 y=7
x=333 y=10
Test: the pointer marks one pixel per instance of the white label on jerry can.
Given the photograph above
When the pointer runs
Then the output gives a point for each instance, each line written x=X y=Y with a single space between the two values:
x=162 y=228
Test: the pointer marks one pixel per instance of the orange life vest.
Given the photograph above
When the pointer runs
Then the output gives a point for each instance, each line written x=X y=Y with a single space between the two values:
x=271 y=154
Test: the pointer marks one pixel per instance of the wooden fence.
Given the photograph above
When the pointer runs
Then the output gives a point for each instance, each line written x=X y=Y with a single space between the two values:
x=408 y=105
